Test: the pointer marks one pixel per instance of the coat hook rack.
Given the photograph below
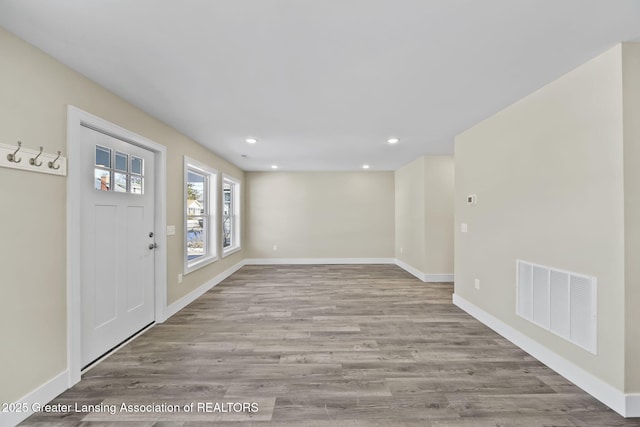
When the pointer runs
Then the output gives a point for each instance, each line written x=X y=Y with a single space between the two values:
x=34 y=160
x=53 y=162
x=11 y=157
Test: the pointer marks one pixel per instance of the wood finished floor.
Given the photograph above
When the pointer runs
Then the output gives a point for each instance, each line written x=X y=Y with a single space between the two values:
x=355 y=345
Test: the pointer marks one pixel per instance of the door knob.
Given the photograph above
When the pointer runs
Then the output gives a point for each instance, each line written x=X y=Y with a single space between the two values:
x=153 y=245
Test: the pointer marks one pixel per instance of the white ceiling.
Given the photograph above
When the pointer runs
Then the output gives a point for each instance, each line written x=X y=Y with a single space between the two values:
x=322 y=84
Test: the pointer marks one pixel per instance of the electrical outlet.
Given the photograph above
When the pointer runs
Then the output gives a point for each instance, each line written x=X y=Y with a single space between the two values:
x=401 y=249
x=275 y=247
x=180 y=278
x=464 y=227
x=476 y=283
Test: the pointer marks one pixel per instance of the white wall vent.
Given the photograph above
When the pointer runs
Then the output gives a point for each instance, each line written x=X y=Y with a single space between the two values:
x=562 y=302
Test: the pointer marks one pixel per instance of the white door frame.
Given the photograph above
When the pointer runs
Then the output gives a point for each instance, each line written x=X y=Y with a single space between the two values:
x=75 y=119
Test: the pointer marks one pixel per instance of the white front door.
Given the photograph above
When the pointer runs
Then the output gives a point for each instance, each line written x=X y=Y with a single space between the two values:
x=117 y=273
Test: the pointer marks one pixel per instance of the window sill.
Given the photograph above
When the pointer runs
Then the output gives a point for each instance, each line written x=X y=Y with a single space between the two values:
x=198 y=265
x=230 y=251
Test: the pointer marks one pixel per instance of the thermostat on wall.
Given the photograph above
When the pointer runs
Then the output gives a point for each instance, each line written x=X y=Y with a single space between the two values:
x=472 y=199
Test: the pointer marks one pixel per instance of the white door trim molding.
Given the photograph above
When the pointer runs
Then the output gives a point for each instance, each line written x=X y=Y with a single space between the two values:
x=75 y=119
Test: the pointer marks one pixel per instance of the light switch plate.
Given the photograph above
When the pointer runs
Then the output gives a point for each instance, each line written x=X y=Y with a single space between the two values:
x=463 y=227
x=171 y=230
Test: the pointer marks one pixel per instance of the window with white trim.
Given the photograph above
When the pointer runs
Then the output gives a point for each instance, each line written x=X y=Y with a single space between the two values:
x=230 y=215
x=200 y=195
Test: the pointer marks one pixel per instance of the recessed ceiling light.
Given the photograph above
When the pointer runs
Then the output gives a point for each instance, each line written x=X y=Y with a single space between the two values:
x=365 y=166
x=393 y=140
x=251 y=140
x=274 y=166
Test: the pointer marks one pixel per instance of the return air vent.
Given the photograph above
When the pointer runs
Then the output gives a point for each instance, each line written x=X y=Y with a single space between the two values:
x=559 y=301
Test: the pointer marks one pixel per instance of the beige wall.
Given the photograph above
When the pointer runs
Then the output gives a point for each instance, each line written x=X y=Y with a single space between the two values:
x=439 y=175
x=320 y=214
x=548 y=173
x=424 y=214
x=34 y=92
x=410 y=246
x=631 y=96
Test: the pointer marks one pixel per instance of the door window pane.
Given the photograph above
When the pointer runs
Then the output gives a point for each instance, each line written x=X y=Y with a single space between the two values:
x=136 y=165
x=103 y=156
x=136 y=185
x=102 y=179
x=120 y=180
x=121 y=162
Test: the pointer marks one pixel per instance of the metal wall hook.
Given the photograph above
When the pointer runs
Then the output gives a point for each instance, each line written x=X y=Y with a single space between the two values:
x=34 y=160
x=53 y=162
x=12 y=156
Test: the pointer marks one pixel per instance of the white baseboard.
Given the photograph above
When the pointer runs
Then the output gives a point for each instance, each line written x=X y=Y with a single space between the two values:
x=420 y=275
x=40 y=396
x=424 y=276
x=632 y=405
x=284 y=261
x=625 y=405
x=406 y=267
x=438 y=277
x=199 y=291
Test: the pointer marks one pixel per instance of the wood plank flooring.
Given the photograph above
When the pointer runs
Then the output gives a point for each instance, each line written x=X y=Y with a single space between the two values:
x=348 y=345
